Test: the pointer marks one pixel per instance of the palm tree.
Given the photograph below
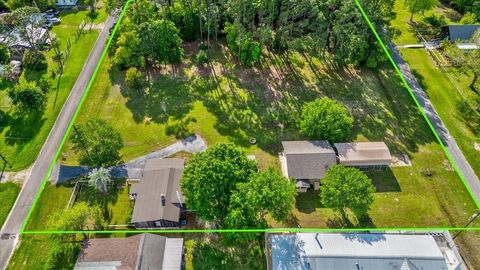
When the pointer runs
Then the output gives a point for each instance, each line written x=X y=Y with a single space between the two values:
x=99 y=179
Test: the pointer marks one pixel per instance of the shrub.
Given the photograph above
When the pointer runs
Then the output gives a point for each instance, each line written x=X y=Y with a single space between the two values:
x=4 y=54
x=44 y=84
x=202 y=57
x=249 y=52
x=470 y=18
x=202 y=46
x=27 y=96
x=133 y=78
x=434 y=21
x=34 y=60
x=470 y=115
x=326 y=119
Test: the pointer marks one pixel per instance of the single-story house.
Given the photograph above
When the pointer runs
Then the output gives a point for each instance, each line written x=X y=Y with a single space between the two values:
x=462 y=34
x=157 y=196
x=358 y=251
x=364 y=154
x=307 y=162
x=142 y=252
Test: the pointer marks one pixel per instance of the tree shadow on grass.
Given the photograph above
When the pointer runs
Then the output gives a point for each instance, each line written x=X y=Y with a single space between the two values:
x=240 y=98
x=23 y=127
x=165 y=97
x=341 y=221
x=308 y=202
x=93 y=197
x=384 y=181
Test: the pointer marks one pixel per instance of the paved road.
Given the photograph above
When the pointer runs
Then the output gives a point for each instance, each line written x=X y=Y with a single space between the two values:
x=11 y=228
x=457 y=155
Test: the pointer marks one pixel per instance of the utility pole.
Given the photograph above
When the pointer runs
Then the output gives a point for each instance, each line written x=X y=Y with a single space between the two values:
x=4 y=166
x=470 y=221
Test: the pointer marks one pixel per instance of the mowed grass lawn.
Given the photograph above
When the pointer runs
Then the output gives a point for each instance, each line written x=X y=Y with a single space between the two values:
x=54 y=199
x=224 y=102
x=8 y=194
x=22 y=136
x=439 y=85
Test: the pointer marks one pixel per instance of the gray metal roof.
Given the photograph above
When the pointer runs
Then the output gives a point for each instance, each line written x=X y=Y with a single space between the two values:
x=462 y=32
x=144 y=252
x=347 y=250
x=160 y=176
x=308 y=159
x=363 y=153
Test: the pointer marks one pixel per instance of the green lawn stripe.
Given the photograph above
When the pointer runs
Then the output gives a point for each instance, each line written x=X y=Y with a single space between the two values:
x=67 y=132
x=404 y=81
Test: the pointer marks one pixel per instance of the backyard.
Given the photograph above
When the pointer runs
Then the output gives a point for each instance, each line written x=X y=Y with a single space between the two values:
x=22 y=136
x=115 y=204
x=224 y=102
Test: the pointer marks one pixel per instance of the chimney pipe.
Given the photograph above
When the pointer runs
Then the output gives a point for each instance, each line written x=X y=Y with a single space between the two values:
x=162 y=196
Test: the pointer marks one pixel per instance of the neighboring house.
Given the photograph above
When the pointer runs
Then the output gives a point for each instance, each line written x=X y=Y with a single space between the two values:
x=307 y=162
x=360 y=251
x=364 y=155
x=158 y=198
x=462 y=34
x=36 y=36
x=66 y=3
x=143 y=252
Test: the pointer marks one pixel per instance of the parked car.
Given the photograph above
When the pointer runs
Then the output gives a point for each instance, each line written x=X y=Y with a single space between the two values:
x=55 y=20
x=47 y=25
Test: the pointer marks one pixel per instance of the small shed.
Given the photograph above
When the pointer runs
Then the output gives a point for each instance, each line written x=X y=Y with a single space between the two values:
x=364 y=154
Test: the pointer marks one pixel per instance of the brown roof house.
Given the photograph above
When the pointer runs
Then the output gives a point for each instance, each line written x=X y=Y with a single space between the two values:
x=307 y=162
x=364 y=155
x=158 y=198
x=139 y=252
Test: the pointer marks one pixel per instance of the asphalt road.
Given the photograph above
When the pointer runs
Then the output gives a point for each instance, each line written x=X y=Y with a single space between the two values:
x=12 y=226
x=455 y=152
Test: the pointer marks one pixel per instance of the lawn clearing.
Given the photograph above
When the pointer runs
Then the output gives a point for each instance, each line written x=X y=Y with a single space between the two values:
x=8 y=194
x=224 y=102
x=21 y=137
x=115 y=204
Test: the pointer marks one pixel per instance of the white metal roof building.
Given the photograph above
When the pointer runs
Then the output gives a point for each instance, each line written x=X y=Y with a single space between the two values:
x=356 y=251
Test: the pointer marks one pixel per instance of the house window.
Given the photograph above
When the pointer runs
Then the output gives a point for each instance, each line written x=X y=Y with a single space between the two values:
x=158 y=223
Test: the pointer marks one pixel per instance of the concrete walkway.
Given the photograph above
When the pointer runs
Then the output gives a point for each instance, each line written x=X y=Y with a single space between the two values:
x=455 y=152
x=18 y=214
x=134 y=168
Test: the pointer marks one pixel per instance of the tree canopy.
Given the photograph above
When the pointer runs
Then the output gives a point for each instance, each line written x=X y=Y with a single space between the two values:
x=335 y=27
x=347 y=188
x=27 y=97
x=326 y=119
x=211 y=177
x=419 y=6
x=98 y=142
x=99 y=178
x=266 y=192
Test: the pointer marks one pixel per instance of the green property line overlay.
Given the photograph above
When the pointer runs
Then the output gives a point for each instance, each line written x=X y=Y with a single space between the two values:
x=402 y=77
x=67 y=132
x=265 y=230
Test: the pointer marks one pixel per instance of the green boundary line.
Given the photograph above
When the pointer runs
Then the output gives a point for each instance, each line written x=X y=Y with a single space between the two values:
x=404 y=81
x=266 y=230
